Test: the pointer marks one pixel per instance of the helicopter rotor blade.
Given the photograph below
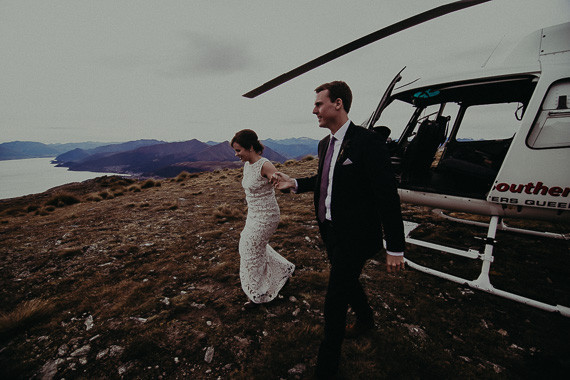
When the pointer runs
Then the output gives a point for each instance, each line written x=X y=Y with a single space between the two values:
x=363 y=41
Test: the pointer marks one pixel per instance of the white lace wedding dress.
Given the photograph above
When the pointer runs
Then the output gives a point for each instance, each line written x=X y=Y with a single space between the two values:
x=263 y=271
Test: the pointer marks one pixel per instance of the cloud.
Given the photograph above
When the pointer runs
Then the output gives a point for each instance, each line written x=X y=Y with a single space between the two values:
x=211 y=56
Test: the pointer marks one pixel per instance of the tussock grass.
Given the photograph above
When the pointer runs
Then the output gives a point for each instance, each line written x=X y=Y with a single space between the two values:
x=70 y=252
x=110 y=181
x=32 y=208
x=212 y=234
x=13 y=211
x=182 y=176
x=226 y=212
x=225 y=271
x=107 y=194
x=63 y=199
x=25 y=315
x=148 y=184
x=117 y=192
x=93 y=198
x=280 y=350
x=314 y=280
x=290 y=162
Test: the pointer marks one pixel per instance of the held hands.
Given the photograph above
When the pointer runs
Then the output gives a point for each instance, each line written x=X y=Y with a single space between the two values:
x=394 y=263
x=282 y=181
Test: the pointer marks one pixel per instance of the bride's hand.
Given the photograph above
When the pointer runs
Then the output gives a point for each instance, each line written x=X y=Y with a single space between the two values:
x=282 y=181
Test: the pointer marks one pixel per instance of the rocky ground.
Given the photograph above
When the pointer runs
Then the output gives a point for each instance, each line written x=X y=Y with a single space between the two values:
x=114 y=278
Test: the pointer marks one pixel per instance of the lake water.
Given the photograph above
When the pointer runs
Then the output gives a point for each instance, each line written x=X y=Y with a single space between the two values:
x=36 y=175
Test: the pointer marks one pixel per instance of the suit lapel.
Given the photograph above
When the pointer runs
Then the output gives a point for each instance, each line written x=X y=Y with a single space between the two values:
x=345 y=143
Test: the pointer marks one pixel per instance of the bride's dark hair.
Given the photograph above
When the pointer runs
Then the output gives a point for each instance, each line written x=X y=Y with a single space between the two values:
x=247 y=139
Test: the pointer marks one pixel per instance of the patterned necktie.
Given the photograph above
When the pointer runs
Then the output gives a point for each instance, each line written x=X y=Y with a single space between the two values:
x=325 y=180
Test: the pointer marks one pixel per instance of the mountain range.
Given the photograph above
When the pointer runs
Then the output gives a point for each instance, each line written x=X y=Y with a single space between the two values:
x=152 y=158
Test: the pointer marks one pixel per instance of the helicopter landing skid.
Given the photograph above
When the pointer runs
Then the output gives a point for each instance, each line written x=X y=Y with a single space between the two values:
x=482 y=282
x=503 y=227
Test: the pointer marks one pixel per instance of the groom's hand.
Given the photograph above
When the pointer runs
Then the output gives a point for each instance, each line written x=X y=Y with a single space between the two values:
x=282 y=181
x=394 y=263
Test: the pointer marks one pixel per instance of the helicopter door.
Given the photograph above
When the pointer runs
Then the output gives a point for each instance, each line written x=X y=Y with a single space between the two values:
x=536 y=173
x=383 y=102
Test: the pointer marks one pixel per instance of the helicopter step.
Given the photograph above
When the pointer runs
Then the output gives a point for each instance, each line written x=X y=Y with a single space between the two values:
x=482 y=282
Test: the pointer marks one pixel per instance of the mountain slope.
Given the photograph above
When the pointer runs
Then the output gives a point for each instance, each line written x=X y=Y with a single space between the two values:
x=144 y=284
x=141 y=160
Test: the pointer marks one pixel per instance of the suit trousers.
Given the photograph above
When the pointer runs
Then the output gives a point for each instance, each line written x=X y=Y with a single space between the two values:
x=344 y=289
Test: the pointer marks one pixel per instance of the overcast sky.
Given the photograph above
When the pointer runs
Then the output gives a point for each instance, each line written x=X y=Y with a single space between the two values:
x=111 y=71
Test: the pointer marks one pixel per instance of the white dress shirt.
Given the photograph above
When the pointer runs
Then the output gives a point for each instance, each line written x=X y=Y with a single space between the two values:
x=339 y=136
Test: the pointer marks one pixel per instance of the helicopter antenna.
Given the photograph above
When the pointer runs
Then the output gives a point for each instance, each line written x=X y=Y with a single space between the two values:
x=493 y=52
x=407 y=84
x=363 y=41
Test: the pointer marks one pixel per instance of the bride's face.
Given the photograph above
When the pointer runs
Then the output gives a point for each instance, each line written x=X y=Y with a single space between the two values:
x=242 y=153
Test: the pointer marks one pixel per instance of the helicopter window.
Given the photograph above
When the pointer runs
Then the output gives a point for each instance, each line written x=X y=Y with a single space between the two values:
x=489 y=122
x=552 y=127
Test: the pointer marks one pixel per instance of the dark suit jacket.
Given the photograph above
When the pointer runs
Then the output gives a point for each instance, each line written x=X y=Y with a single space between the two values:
x=364 y=193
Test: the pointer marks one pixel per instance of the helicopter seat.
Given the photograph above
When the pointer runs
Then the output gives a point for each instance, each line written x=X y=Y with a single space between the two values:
x=464 y=177
x=421 y=150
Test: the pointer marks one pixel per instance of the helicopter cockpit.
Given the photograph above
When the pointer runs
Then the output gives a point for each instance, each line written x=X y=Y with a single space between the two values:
x=455 y=136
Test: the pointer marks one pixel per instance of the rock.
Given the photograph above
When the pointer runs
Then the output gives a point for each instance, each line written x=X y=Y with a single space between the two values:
x=115 y=351
x=209 y=354
x=63 y=349
x=416 y=332
x=124 y=368
x=299 y=369
x=89 y=323
x=242 y=342
x=48 y=370
x=102 y=354
x=81 y=351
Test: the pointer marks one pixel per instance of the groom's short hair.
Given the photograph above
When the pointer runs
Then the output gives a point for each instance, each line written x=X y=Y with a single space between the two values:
x=338 y=90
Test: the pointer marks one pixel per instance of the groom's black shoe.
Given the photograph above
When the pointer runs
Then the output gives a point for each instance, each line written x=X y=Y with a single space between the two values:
x=249 y=305
x=357 y=329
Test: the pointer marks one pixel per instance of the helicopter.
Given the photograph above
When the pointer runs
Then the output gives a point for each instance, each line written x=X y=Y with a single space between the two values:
x=520 y=172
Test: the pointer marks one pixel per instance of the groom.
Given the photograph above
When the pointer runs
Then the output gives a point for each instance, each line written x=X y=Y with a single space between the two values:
x=355 y=196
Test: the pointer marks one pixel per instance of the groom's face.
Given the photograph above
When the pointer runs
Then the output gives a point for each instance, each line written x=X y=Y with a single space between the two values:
x=326 y=110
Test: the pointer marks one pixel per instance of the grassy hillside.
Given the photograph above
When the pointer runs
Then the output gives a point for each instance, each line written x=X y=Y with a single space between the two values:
x=113 y=278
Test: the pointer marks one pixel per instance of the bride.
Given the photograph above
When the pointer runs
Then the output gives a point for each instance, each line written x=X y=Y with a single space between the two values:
x=263 y=272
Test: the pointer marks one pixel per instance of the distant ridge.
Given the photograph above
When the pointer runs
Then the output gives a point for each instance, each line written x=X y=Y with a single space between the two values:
x=154 y=158
x=17 y=150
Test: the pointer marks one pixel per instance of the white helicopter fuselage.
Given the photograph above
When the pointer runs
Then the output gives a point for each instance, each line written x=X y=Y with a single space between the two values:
x=533 y=180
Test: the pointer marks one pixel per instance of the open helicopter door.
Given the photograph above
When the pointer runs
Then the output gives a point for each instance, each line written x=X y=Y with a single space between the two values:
x=383 y=102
